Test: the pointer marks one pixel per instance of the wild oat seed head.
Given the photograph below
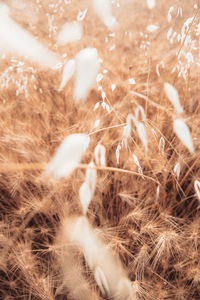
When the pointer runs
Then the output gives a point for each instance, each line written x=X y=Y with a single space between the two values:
x=177 y=170
x=197 y=188
x=141 y=130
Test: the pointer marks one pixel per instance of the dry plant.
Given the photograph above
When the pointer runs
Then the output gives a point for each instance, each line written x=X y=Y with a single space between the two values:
x=99 y=150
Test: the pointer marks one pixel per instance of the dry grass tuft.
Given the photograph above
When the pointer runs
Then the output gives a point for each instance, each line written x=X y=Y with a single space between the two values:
x=122 y=219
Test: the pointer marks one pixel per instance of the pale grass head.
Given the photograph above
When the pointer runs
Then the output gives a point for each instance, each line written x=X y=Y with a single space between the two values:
x=104 y=11
x=73 y=280
x=71 y=32
x=67 y=156
x=140 y=127
x=173 y=96
x=177 y=170
x=85 y=197
x=151 y=3
x=100 y=155
x=10 y=35
x=137 y=163
x=164 y=246
x=87 y=67
x=132 y=232
x=91 y=176
x=142 y=133
x=152 y=28
x=140 y=114
x=101 y=281
x=197 y=188
x=105 y=264
x=68 y=72
x=87 y=189
x=183 y=133
x=161 y=145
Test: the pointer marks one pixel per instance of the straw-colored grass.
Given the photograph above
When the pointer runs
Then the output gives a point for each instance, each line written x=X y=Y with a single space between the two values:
x=125 y=221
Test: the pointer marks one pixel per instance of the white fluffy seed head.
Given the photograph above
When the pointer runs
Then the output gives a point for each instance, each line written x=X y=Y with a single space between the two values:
x=71 y=32
x=197 y=188
x=67 y=156
x=14 y=39
x=81 y=235
x=151 y=3
x=107 y=268
x=103 y=9
x=183 y=133
x=4 y=10
x=152 y=28
x=173 y=96
x=68 y=72
x=100 y=155
x=87 y=68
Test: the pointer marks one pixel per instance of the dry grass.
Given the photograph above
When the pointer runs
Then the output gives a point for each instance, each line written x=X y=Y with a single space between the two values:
x=146 y=214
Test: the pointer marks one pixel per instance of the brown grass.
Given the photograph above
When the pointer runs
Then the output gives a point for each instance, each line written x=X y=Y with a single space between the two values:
x=152 y=221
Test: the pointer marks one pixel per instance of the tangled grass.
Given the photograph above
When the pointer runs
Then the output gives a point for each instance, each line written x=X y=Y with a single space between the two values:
x=144 y=214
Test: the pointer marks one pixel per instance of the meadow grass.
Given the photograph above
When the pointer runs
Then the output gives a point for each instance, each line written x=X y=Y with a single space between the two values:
x=118 y=218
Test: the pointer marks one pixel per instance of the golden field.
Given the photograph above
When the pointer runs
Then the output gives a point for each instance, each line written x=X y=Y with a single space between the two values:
x=145 y=209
